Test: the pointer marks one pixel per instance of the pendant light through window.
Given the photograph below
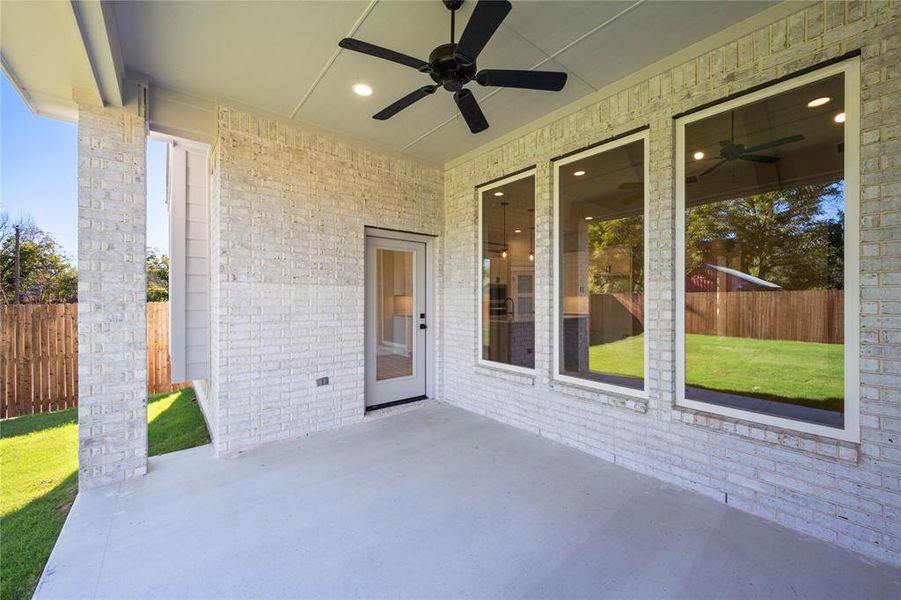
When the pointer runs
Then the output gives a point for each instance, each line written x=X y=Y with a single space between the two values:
x=532 y=235
x=504 y=251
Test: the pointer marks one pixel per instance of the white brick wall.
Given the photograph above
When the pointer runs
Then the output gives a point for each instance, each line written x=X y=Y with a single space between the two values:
x=844 y=493
x=288 y=213
x=112 y=322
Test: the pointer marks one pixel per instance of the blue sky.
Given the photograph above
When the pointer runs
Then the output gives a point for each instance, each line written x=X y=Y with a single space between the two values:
x=39 y=174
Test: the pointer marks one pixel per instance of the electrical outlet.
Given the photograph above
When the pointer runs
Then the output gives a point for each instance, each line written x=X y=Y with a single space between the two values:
x=322 y=381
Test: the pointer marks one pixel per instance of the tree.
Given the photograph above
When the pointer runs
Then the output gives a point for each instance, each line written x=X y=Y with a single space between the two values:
x=624 y=235
x=46 y=272
x=783 y=236
x=157 y=276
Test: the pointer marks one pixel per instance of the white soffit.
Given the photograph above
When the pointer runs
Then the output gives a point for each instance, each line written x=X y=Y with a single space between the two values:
x=264 y=54
x=44 y=57
x=647 y=33
x=282 y=57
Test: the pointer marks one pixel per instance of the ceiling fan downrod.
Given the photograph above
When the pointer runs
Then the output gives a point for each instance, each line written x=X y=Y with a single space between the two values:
x=453 y=6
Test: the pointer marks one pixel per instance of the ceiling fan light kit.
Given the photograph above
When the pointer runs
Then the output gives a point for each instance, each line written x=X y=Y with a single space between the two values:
x=453 y=65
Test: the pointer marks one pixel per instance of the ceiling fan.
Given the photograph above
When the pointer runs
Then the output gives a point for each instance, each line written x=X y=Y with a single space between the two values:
x=730 y=151
x=453 y=65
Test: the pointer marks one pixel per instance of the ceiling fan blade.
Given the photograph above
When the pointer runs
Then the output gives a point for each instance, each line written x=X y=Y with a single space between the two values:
x=486 y=17
x=759 y=158
x=470 y=110
x=551 y=81
x=714 y=168
x=414 y=96
x=384 y=53
x=773 y=143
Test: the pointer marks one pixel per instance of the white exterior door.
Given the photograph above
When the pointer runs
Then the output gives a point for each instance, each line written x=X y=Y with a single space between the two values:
x=396 y=323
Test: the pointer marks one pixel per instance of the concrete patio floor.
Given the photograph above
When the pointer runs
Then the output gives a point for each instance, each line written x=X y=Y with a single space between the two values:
x=431 y=502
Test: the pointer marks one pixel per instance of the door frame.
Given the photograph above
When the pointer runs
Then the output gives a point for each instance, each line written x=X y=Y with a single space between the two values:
x=431 y=316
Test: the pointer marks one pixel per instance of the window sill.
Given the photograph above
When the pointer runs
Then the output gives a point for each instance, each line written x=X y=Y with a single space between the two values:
x=623 y=397
x=821 y=445
x=512 y=373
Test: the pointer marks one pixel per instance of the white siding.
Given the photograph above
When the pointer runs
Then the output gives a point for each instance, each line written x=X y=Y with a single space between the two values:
x=189 y=245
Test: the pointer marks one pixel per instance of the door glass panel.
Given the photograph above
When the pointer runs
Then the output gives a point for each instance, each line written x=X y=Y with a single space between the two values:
x=394 y=314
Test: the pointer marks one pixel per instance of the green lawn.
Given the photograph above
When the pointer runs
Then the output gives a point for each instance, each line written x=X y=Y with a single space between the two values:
x=802 y=373
x=39 y=463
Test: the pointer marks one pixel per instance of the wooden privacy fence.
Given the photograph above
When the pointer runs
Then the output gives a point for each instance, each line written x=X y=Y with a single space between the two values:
x=159 y=369
x=39 y=356
x=803 y=315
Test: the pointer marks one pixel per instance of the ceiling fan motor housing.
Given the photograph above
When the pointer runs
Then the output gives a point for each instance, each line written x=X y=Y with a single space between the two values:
x=446 y=70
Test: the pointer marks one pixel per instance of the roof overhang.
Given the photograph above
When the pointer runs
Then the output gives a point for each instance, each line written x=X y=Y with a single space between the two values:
x=62 y=54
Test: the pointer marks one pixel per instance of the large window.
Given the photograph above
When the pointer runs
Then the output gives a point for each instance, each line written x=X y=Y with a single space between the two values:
x=507 y=272
x=600 y=215
x=767 y=233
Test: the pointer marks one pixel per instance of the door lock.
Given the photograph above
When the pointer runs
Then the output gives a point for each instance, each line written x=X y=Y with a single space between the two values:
x=422 y=326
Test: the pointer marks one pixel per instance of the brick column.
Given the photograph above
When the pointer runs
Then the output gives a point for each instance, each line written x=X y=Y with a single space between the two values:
x=112 y=321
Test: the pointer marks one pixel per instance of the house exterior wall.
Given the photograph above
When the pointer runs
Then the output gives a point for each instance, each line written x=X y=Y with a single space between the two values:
x=845 y=493
x=288 y=211
x=112 y=288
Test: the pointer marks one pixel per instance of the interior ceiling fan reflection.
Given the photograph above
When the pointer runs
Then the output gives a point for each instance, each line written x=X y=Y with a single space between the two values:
x=453 y=65
x=730 y=151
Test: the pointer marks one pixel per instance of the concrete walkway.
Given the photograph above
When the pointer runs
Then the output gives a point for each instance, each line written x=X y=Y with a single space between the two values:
x=433 y=502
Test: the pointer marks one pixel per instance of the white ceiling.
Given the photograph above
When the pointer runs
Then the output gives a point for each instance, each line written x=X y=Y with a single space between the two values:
x=283 y=57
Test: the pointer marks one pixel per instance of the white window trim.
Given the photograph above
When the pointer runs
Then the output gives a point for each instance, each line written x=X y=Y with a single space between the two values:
x=558 y=376
x=479 y=257
x=851 y=430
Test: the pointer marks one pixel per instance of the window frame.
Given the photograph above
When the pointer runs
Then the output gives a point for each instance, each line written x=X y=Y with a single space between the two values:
x=851 y=429
x=480 y=191
x=557 y=297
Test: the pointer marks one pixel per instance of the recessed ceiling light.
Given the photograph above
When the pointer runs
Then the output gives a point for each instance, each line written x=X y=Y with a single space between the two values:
x=579 y=173
x=589 y=218
x=361 y=89
x=698 y=155
x=839 y=118
x=517 y=231
x=818 y=102
x=498 y=193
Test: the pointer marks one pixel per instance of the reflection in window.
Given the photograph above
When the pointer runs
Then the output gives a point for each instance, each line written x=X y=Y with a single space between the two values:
x=602 y=272
x=508 y=273
x=764 y=248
